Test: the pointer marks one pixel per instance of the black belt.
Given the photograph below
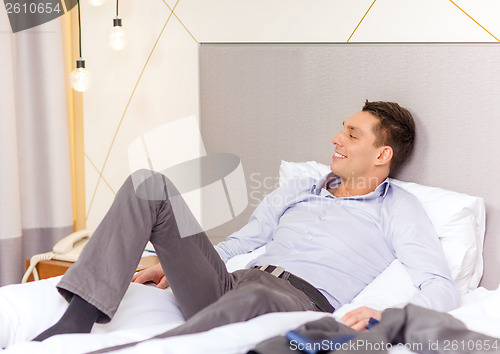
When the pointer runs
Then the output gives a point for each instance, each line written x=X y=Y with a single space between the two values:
x=310 y=291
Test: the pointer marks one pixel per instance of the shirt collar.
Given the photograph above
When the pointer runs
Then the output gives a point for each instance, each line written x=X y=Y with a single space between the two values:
x=331 y=180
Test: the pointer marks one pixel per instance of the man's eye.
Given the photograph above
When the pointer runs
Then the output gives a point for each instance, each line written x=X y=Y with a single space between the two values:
x=352 y=136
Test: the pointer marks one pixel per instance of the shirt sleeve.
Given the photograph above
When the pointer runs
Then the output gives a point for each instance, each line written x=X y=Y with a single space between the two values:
x=417 y=246
x=259 y=230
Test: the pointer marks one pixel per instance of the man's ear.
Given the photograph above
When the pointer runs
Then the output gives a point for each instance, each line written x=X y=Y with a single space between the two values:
x=385 y=155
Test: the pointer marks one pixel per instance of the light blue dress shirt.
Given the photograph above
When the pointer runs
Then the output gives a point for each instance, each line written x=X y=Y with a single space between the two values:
x=340 y=245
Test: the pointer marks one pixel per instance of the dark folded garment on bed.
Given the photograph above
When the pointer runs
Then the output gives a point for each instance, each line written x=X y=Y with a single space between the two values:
x=414 y=328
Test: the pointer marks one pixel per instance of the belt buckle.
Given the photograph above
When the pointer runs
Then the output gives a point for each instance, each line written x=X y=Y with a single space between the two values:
x=276 y=272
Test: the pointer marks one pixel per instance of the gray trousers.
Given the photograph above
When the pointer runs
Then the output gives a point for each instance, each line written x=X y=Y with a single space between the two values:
x=207 y=294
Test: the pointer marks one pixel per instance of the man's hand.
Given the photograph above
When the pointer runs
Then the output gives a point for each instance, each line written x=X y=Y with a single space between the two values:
x=154 y=273
x=358 y=319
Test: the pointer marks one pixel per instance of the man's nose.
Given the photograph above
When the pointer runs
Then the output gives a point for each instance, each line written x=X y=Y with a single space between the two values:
x=337 y=139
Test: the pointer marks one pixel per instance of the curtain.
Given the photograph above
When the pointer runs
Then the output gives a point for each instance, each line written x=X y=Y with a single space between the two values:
x=36 y=207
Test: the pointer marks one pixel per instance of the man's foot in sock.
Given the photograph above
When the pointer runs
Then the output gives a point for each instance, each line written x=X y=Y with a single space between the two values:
x=79 y=317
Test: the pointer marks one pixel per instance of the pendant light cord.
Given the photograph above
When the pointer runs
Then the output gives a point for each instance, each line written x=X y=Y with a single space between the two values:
x=79 y=30
x=116 y=8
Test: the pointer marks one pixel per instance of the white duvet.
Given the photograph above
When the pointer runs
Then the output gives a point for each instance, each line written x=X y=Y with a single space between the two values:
x=28 y=309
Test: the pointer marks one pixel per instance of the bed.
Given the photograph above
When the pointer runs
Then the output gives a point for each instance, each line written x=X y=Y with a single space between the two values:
x=301 y=93
x=26 y=310
x=138 y=319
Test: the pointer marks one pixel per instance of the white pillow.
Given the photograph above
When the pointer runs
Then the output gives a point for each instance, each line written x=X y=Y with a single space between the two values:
x=459 y=220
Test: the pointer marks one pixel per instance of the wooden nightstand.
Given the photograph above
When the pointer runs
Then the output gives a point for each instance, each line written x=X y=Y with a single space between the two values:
x=53 y=268
x=49 y=269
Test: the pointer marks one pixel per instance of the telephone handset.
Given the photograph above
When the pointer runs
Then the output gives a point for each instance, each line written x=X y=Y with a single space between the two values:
x=68 y=249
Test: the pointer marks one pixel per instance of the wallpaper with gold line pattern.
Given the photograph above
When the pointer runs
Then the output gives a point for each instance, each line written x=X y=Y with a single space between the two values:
x=155 y=79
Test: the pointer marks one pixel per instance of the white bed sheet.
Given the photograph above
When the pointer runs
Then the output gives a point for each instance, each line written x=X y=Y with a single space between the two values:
x=26 y=310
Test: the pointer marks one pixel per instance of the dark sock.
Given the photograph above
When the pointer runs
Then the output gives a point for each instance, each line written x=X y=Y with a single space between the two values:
x=78 y=318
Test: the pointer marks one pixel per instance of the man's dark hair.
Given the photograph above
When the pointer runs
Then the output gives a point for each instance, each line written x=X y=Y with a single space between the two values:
x=396 y=129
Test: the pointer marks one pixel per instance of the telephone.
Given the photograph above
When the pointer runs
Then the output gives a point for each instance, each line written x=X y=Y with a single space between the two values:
x=68 y=249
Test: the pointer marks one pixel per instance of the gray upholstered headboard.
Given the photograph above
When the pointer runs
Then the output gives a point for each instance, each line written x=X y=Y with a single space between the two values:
x=272 y=102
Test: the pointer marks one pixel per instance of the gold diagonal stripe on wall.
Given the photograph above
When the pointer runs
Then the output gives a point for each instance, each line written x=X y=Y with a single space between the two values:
x=474 y=20
x=361 y=20
x=178 y=19
x=126 y=108
x=100 y=175
x=185 y=27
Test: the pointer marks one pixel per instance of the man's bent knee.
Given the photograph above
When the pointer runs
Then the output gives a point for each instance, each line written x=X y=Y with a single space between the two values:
x=151 y=185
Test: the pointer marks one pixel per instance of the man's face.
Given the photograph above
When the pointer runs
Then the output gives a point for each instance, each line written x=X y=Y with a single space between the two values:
x=355 y=151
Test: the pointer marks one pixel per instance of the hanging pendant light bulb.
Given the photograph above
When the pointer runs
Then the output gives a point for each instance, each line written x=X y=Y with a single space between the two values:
x=79 y=78
x=116 y=38
x=96 y=2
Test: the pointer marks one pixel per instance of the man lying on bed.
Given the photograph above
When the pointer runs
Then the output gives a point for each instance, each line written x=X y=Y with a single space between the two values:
x=331 y=237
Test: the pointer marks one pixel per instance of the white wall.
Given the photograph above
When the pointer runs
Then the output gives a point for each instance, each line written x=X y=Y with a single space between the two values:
x=155 y=79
